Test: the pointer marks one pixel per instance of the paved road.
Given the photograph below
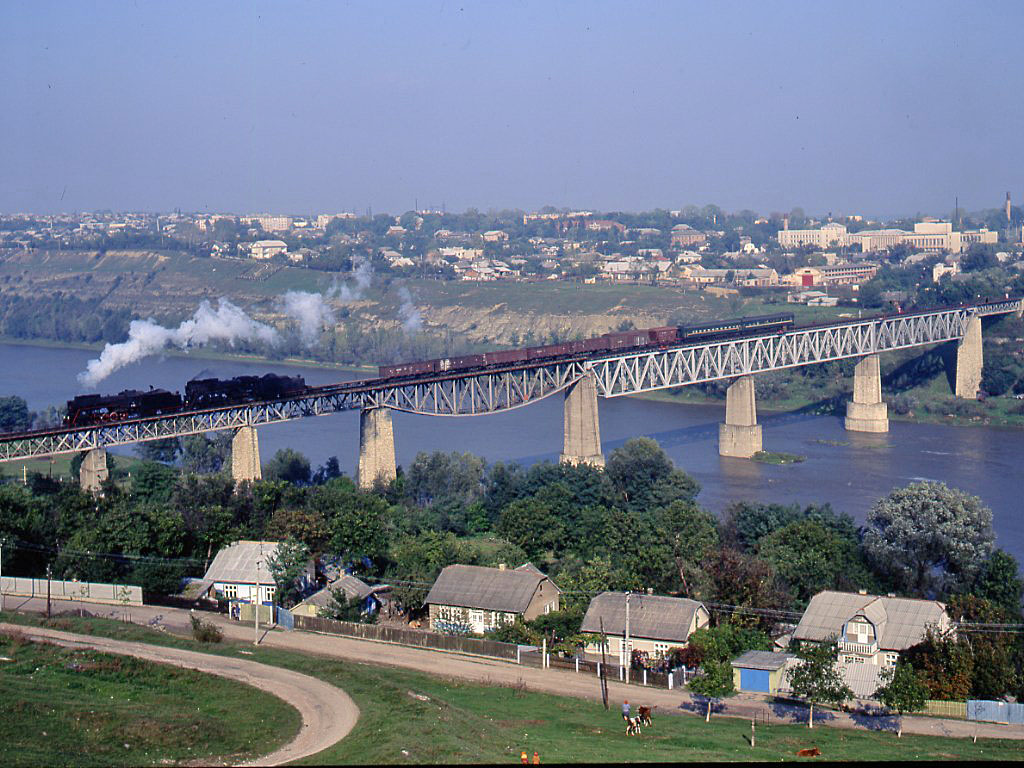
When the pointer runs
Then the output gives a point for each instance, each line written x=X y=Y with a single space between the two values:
x=555 y=681
x=328 y=714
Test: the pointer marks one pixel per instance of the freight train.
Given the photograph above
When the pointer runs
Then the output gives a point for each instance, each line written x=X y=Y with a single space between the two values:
x=610 y=342
x=86 y=410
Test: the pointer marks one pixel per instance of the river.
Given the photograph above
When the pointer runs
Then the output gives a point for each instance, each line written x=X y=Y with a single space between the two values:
x=847 y=469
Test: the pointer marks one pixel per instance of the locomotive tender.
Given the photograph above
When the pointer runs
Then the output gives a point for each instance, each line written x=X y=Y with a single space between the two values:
x=199 y=393
x=610 y=342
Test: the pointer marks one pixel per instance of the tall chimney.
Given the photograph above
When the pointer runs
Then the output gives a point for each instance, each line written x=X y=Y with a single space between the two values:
x=785 y=223
x=1007 y=208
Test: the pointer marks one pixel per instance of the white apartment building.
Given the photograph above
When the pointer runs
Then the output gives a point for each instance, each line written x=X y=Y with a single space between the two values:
x=271 y=223
x=928 y=235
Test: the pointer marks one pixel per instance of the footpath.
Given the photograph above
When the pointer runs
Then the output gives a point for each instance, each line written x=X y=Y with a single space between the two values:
x=488 y=671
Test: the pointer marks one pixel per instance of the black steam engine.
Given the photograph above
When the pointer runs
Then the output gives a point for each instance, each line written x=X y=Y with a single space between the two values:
x=85 y=410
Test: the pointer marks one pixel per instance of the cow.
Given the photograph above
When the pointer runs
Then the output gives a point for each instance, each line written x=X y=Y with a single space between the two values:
x=812 y=752
x=643 y=714
x=632 y=726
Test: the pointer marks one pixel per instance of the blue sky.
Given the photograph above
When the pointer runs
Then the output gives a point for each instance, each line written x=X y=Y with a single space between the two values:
x=873 y=108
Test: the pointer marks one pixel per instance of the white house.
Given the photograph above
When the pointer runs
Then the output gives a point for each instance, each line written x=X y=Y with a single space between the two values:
x=240 y=571
x=265 y=249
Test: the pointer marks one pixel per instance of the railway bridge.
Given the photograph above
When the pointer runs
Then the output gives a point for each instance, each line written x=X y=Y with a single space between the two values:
x=580 y=378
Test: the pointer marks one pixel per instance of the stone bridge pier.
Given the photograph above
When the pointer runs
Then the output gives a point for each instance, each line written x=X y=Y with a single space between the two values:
x=582 y=435
x=969 y=360
x=376 y=447
x=867 y=412
x=93 y=472
x=245 y=456
x=740 y=435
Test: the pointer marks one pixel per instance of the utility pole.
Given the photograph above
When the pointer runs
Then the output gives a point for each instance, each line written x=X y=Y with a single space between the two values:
x=256 y=601
x=629 y=653
x=1 y=574
x=47 y=590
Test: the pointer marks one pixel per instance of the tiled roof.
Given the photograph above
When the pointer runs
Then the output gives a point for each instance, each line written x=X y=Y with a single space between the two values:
x=492 y=589
x=899 y=622
x=652 y=617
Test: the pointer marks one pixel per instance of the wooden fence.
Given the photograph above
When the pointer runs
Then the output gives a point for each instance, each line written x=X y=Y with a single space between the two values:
x=415 y=637
x=946 y=708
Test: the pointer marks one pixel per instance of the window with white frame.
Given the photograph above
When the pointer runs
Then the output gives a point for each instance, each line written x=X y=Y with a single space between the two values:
x=891 y=659
x=476 y=618
x=230 y=591
x=661 y=649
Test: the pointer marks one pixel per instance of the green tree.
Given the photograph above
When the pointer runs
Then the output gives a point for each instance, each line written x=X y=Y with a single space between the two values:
x=928 y=536
x=901 y=690
x=727 y=641
x=532 y=525
x=204 y=455
x=290 y=466
x=644 y=477
x=693 y=536
x=945 y=665
x=716 y=682
x=357 y=522
x=152 y=481
x=165 y=450
x=288 y=565
x=809 y=558
x=817 y=678
x=1000 y=582
x=14 y=414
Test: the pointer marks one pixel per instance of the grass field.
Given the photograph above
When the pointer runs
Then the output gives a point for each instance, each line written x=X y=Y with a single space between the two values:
x=410 y=717
x=73 y=707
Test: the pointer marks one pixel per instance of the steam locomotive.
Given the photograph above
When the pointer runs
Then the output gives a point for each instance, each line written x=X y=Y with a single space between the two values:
x=609 y=342
x=199 y=393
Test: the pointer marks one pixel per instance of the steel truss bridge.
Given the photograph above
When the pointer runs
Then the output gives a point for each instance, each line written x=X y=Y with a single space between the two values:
x=492 y=390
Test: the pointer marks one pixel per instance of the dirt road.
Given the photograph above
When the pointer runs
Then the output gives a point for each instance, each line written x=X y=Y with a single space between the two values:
x=328 y=714
x=555 y=681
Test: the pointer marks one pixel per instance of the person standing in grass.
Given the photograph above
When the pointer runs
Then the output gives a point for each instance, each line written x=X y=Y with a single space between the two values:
x=625 y=711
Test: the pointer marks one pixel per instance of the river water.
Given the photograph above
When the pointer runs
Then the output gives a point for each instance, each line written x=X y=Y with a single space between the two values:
x=847 y=469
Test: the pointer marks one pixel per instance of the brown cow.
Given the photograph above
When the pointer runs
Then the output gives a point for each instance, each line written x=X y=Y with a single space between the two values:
x=812 y=752
x=644 y=714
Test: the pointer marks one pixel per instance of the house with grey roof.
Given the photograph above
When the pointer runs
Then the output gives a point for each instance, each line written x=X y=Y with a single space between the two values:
x=477 y=599
x=871 y=630
x=241 y=571
x=762 y=671
x=656 y=623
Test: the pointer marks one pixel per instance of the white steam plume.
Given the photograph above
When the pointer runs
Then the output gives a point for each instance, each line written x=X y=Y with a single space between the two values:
x=363 y=275
x=145 y=337
x=412 y=321
x=310 y=311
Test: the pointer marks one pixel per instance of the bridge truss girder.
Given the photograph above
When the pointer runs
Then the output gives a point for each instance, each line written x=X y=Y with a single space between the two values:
x=480 y=392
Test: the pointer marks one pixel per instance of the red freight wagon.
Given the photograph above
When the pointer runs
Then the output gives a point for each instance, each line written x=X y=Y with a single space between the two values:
x=627 y=339
x=506 y=357
x=551 y=350
x=664 y=335
x=407 y=369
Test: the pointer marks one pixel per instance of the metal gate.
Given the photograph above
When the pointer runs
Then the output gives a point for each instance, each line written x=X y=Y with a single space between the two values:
x=285 y=618
x=758 y=680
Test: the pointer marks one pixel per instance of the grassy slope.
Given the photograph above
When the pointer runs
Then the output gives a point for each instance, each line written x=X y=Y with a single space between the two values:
x=468 y=723
x=72 y=707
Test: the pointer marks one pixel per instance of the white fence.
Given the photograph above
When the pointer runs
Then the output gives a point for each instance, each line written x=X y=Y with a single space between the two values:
x=84 y=591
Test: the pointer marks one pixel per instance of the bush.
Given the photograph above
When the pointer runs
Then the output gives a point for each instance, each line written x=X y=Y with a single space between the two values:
x=204 y=631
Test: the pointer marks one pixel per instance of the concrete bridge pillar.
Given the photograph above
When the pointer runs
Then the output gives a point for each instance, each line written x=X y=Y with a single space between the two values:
x=969 y=360
x=582 y=436
x=245 y=456
x=376 y=447
x=740 y=435
x=93 y=472
x=866 y=412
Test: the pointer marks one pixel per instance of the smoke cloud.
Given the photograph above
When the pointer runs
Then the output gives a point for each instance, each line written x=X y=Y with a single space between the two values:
x=227 y=323
x=310 y=311
x=363 y=276
x=412 y=320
